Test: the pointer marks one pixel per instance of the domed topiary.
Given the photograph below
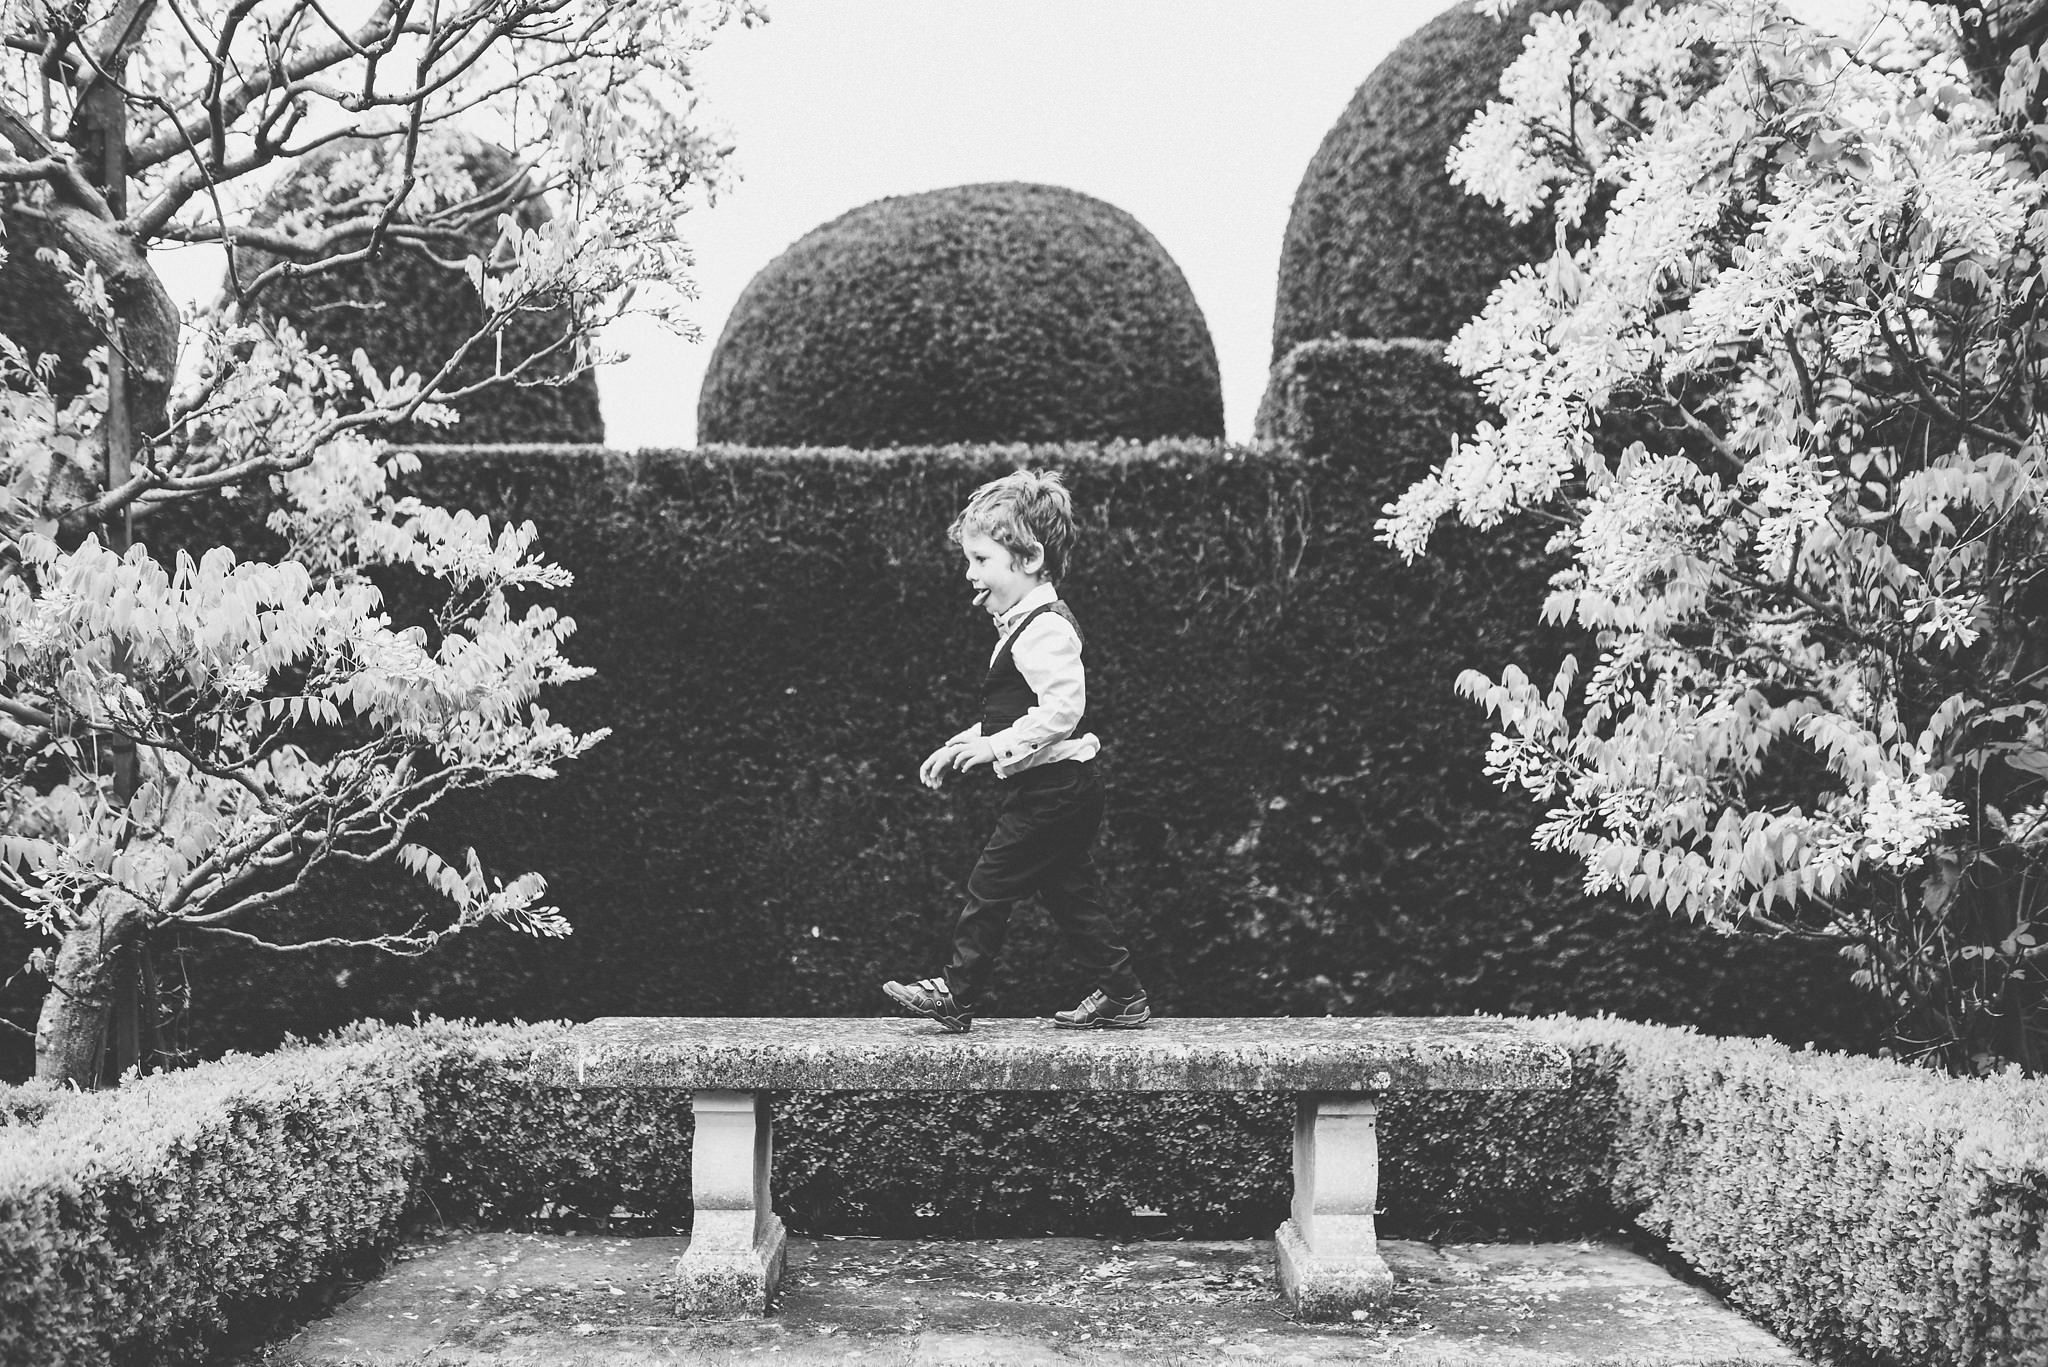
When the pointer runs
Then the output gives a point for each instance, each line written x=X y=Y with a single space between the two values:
x=404 y=308
x=1380 y=243
x=980 y=313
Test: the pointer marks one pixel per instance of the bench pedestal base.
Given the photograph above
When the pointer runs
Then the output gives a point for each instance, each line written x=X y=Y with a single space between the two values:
x=1322 y=1288
x=737 y=1244
x=723 y=1280
x=1329 y=1254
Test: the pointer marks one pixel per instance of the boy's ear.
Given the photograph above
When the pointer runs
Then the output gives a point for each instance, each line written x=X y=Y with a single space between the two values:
x=1032 y=561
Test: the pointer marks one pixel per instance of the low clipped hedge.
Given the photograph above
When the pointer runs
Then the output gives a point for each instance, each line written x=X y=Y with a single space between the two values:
x=498 y=1149
x=134 y=1223
x=1862 y=1209
x=1191 y=1165
x=137 y=1224
x=1841 y=1201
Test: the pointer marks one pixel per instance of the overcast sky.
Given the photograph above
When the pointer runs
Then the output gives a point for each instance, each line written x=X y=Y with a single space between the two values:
x=1197 y=117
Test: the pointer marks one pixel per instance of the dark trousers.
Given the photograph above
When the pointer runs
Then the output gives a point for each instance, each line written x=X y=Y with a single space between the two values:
x=1043 y=847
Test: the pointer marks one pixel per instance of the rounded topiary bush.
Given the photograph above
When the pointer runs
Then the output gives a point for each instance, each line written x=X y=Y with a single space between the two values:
x=406 y=308
x=1380 y=242
x=980 y=313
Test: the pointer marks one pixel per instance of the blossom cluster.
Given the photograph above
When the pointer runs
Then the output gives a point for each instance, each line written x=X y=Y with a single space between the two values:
x=1799 y=247
x=277 y=715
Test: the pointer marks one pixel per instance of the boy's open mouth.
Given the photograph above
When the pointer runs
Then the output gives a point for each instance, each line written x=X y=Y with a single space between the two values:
x=981 y=598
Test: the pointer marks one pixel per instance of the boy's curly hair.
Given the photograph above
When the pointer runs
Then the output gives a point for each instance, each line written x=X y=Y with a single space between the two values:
x=1023 y=511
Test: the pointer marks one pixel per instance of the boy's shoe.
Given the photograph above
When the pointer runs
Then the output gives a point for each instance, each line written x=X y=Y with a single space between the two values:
x=931 y=997
x=1104 y=1012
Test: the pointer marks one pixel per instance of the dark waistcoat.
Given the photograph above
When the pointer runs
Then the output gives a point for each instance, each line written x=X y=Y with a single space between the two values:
x=1005 y=695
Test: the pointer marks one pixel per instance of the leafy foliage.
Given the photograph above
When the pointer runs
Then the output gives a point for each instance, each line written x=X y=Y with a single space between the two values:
x=1802 y=264
x=182 y=739
x=1196 y=1165
x=980 y=313
x=292 y=719
x=411 y=306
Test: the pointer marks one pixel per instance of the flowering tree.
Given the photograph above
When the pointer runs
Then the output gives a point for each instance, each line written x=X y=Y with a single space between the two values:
x=182 y=742
x=1799 y=262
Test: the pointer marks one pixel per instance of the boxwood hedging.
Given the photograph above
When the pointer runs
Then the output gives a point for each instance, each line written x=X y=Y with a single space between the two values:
x=1865 y=1210
x=134 y=1224
x=1845 y=1202
x=1194 y=1165
x=1388 y=408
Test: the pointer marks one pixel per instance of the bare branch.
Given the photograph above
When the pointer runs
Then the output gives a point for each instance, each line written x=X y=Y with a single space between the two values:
x=23 y=172
x=316 y=249
x=230 y=104
x=1909 y=364
x=412 y=943
x=27 y=715
x=65 y=177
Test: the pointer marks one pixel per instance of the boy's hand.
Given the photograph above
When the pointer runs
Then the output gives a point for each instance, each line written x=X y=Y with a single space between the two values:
x=972 y=753
x=933 y=771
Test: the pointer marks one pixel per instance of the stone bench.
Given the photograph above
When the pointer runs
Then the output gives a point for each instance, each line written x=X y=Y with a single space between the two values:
x=1338 y=1067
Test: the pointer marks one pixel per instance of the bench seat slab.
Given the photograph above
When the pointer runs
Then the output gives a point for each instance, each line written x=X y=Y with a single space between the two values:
x=1176 y=1054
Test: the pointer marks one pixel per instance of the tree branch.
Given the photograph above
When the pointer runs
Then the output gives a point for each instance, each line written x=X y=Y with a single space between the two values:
x=235 y=101
x=1906 y=362
x=27 y=715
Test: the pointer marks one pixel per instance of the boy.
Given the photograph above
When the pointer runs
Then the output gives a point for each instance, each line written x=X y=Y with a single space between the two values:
x=1016 y=533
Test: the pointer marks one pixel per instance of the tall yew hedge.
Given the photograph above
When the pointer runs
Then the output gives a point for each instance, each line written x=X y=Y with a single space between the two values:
x=1298 y=819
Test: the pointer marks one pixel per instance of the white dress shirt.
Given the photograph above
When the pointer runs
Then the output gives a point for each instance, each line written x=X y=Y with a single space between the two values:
x=1048 y=654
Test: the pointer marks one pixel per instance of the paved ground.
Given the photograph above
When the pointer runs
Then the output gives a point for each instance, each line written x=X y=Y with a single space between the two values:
x=522 y=1300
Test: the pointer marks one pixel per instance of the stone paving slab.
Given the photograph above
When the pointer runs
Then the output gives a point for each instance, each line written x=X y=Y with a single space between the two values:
x=513 y=1300
x=1263 y=1054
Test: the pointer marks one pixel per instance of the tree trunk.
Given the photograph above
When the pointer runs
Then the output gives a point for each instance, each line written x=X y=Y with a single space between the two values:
x=71 y=1036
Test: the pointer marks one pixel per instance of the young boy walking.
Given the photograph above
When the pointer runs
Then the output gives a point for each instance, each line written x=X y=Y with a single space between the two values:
x=1016 y=534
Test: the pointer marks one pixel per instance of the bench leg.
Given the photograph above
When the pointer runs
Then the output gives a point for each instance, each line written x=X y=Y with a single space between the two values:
x=1330 y=1262
x=737 y=1244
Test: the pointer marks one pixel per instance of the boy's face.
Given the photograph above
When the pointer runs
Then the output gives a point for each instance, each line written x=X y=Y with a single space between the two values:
x=1000 y=579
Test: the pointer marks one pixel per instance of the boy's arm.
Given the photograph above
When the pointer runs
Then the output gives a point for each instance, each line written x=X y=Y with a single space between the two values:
x=947 y=756
x=1048 y=655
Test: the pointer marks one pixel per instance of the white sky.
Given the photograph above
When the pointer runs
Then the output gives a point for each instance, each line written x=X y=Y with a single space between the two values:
x=1197 y=117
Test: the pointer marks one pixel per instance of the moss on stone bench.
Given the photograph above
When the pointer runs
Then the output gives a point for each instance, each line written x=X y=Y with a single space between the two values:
x=1278 y=1054
x=1337 y=1066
